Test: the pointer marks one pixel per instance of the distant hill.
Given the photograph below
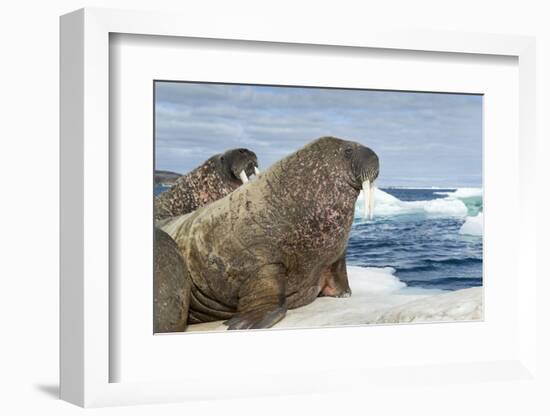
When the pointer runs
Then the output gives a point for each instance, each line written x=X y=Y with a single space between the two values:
x=165 y=177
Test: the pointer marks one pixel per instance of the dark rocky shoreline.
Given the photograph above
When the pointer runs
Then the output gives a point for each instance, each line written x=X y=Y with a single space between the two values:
x=165 y=177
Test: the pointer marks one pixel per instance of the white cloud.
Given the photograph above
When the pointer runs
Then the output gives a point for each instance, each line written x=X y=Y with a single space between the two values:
x=417 y=135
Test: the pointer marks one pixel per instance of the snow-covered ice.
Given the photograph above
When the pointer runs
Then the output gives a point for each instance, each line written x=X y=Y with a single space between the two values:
x=460 y=305
x=378 y=297
x=388 y=205
x=473 y=225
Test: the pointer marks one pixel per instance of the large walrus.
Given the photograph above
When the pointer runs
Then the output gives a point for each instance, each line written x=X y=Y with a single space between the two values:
x=214 y=179
x=275 y=243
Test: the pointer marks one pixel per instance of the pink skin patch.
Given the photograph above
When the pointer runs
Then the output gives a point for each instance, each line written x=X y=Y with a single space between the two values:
x=327 y=285
x=330 y=291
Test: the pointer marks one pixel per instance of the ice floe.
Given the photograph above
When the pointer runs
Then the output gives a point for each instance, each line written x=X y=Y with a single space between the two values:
x=473 y=225
x=460 y=305
x=388 y=205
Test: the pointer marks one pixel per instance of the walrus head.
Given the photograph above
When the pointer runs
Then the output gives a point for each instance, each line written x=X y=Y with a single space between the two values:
x=240 y=164
x=360 y=166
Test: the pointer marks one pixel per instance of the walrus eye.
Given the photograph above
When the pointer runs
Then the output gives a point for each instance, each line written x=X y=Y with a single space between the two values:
x=222 y=158
x=348 y=152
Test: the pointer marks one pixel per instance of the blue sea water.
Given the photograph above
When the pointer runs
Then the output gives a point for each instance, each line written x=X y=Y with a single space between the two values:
x=416 y=232
x=160 y=188
x=422 y=244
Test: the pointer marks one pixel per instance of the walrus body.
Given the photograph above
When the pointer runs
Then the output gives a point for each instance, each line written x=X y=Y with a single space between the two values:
x=172 y=285
x=277 y=242
x=215 y=178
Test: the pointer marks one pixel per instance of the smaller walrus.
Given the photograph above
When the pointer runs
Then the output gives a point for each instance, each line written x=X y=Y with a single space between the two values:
x=217 y=177
x=276 y=243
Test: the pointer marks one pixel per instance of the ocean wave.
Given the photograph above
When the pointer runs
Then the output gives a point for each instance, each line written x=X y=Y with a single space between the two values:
x=431 y=264
x=447 y=283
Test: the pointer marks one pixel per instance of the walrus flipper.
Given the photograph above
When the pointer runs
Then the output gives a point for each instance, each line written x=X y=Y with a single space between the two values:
x=335 y=278
x=172 y=286
x=263 y=301
x=257 y=319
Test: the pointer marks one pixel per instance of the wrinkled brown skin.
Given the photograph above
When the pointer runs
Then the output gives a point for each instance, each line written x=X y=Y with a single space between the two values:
x=172 y=286
x=275 y=243
x=214 y=179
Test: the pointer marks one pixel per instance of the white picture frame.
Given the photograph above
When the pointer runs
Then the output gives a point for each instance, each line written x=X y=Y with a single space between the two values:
x=86 y=357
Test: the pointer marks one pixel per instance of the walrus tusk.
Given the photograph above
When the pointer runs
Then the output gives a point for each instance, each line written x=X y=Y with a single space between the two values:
x=371 y=201
x=366 y=188
x=244 y=178
x=368 y=199
x=256 y=171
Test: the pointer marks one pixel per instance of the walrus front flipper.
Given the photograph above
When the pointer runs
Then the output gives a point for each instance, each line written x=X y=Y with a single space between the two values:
x=262 y=301
x=335 y=280
x=172 y=286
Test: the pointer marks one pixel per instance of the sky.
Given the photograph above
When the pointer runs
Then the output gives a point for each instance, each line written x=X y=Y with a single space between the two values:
x=422 y=139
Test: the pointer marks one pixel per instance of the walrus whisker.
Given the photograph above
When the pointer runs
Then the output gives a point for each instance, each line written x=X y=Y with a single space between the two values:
x=242 y=175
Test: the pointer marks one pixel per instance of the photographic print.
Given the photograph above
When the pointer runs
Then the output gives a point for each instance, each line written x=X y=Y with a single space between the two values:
x=305 y=207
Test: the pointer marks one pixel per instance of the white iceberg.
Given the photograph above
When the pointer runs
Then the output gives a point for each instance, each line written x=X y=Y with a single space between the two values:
x=472 y=225
x=388 y=205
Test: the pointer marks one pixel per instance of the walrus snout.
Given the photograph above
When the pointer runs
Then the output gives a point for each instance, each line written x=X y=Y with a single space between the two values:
x=241 y=163
x=252 y=168
x=365 y=164
x=247 y=171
